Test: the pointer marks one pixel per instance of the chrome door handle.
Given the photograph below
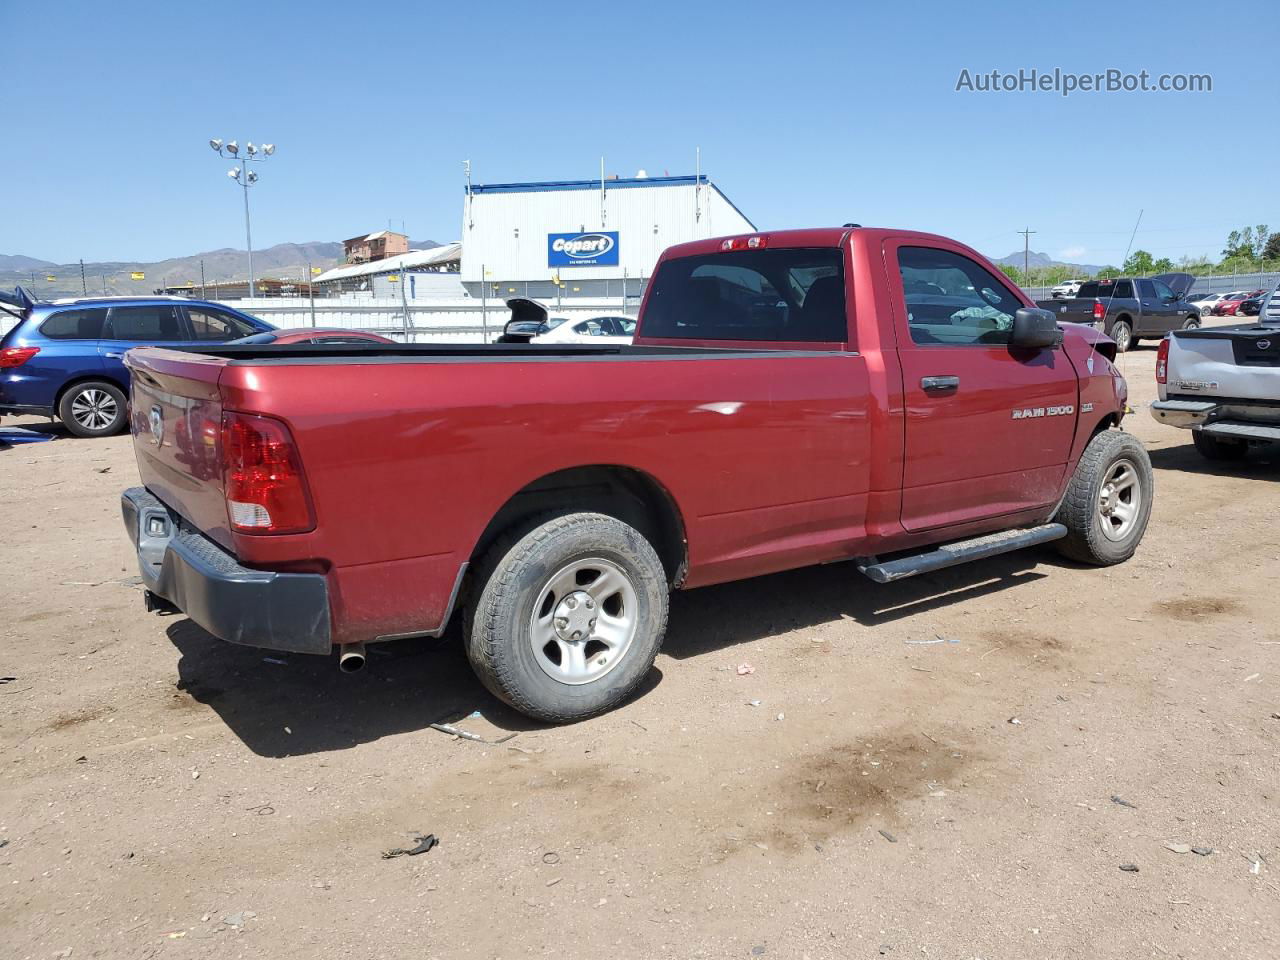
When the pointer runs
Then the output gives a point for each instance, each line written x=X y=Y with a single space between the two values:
x=936 y=384
x=114 y=356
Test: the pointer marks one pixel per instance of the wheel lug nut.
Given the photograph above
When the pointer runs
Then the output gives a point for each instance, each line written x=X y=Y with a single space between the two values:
x=592 y=623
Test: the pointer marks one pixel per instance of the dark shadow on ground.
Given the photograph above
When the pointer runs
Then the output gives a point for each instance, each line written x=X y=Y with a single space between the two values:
x=409 y=684
x=713 y=618
x=1261 y=462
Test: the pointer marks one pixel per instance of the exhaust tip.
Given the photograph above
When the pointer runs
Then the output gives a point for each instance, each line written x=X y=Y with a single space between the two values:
x=351 y=659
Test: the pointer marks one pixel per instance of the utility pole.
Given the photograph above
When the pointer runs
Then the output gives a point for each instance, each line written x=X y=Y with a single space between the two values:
x=202 y=295
x=1026 y=255
x=84 y=284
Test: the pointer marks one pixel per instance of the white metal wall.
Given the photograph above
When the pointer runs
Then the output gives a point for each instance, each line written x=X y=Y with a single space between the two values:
x=505 y=234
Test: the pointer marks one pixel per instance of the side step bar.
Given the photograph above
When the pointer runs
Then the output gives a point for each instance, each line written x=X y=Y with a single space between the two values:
x=962 y=551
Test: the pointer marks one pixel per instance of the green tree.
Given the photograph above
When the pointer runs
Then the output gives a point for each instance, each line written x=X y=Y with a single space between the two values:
x=1260 y=236
x=1163 y=265
x=1108 y=271
x=1139 y=263
x=1012 y=272
x=1272 y=249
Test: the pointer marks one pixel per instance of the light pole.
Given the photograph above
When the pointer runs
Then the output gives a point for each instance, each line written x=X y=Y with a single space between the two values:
x=246 y=178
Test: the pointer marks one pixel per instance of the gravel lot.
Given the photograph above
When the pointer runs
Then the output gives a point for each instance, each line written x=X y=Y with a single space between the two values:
x=865 y=792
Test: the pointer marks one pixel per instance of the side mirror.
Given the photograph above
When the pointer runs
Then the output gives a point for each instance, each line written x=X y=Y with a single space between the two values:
x=1034 y=329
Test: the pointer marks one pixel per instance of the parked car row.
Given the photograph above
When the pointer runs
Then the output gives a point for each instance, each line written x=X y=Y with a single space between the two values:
x=64 y=359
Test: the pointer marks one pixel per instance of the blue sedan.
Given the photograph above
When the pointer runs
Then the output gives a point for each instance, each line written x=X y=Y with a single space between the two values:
x=65 y=358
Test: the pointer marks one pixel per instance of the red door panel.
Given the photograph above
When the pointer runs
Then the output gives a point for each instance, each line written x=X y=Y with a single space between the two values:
x=993 y=435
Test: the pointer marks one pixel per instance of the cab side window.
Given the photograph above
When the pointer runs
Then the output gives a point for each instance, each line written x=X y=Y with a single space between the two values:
x=157 y=324
x=1163 y=291
x=953 y=300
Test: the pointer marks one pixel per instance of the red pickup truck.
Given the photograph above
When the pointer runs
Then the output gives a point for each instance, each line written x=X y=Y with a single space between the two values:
x=791 y=398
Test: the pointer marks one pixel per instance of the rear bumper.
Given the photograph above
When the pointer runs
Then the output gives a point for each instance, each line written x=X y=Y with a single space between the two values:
x=258 y=608
x=1240 y=420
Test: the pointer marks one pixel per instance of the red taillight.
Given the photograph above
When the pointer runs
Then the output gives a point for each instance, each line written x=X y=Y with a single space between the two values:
x=262 y=477
x=1162 y=362
x=16 y=356
x=1099 y=311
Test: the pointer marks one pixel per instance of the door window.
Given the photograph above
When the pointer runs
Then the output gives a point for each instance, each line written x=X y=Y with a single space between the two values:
x=154 y=324
x=1147 y=289
x=1123 y=291
x=1162 y=290
x=209 y=324
x=74 y=325
x=954 y=301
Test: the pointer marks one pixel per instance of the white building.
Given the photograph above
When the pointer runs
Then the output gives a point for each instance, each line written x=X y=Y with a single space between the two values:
x=584 y=238
x=425 y=273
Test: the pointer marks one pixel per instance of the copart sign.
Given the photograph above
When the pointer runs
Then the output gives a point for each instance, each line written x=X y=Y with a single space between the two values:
x=582 y=249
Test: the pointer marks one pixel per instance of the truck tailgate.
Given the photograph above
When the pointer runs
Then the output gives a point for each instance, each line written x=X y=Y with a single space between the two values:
x=1238 y=362
x=176 y=421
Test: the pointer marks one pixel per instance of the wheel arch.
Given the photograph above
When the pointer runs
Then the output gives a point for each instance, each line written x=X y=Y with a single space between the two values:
x=626 y=493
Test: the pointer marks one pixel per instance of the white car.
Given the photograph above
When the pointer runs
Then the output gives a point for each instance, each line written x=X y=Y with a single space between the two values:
x=1204 y=302
x=1066 y=289
x=618 y=330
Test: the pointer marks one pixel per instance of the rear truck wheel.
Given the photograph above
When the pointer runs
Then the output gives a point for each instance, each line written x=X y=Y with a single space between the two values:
x=1192 y=322
x=1122 y=334
x=1215 y=448
x=570 y=616
x=94 y=408
x=1108 y=500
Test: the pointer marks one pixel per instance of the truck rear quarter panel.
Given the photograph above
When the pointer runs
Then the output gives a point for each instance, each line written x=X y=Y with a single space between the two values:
x=766 y=456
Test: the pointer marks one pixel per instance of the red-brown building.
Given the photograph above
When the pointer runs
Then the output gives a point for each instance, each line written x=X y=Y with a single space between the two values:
x=375 y=246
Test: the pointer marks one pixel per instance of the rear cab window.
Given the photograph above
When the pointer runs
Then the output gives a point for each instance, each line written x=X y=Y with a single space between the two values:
x=780 y=295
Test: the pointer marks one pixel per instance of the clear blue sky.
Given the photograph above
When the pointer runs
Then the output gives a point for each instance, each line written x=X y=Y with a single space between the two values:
x=806 y=113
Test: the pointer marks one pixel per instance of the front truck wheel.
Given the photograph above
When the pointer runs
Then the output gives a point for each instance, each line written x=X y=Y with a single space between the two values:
x=1108 y=500
x=570 y=616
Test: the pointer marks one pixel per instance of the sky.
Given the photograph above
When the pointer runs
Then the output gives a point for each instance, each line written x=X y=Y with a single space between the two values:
x=806 y=113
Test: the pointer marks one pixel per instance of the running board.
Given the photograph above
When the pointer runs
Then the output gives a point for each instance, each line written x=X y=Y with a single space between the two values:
x=962 y=551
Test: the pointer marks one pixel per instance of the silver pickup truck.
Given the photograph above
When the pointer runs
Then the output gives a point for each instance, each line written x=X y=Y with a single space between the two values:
x=1223 y=384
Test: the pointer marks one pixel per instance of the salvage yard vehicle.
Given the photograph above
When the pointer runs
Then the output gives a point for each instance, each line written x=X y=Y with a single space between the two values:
x=64 y=358
x=791 y=398
x=1222 y=384
x=1128 y=309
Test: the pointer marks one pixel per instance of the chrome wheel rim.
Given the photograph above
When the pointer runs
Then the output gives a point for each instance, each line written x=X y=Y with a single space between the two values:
x=1120 y=334
x=584 y=621
x=94 y=409
x=1119 y=500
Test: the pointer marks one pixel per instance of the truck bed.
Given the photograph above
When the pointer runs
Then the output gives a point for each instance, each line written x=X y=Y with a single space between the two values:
x=443 y=353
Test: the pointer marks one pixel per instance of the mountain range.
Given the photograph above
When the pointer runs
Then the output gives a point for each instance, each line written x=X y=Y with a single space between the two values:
x=1035 y=259
x=48 y=280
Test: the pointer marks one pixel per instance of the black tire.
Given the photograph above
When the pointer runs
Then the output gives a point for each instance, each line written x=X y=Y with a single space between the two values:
x=518 y=573
x=1087 y=539
x=1192 y=322
x=1214 y=448
x=1122 y=334
x=94 y=408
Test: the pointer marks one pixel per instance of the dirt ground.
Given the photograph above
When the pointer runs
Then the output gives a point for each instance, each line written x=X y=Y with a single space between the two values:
x=865 y=792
